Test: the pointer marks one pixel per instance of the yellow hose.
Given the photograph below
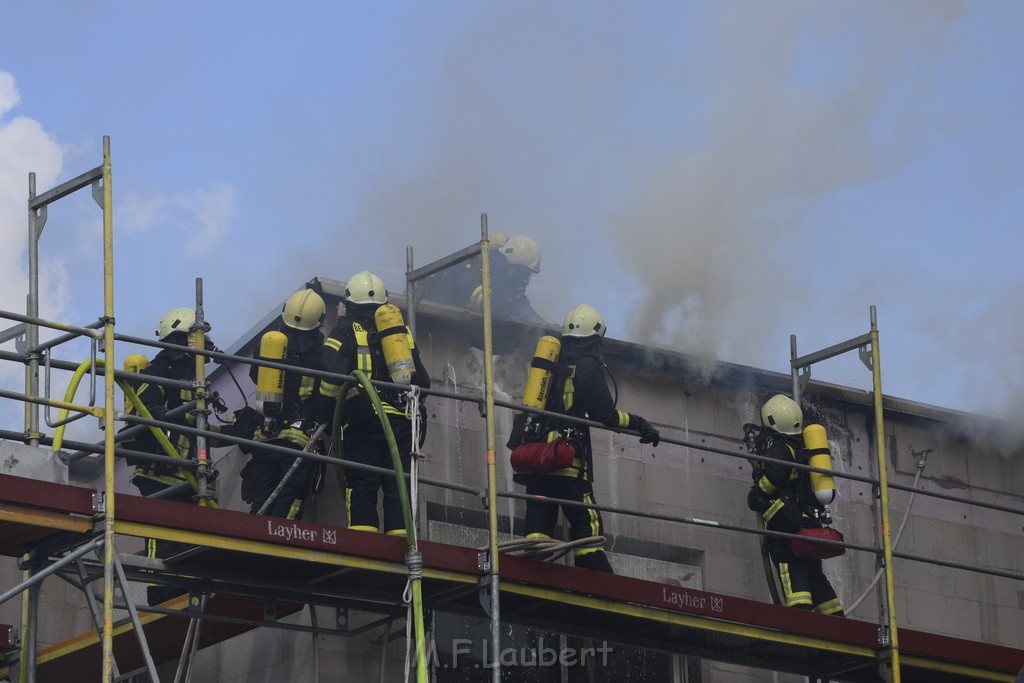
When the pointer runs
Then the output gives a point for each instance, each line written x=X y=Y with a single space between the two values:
x=129 y=392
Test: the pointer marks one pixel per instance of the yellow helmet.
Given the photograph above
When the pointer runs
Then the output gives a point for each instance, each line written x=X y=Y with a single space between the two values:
x=304 y=310
x=175 y=320
x=782 y=414
x=583 y=321
x=365 y=288
x=521 y=250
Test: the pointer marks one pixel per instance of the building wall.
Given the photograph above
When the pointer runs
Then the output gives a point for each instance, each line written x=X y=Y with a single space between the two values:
x=703 y=405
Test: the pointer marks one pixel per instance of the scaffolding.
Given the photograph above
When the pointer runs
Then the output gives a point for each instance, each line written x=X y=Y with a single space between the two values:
x=76 y=538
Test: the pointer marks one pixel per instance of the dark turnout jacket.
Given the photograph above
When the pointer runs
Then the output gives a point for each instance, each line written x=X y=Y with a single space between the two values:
x=582 y=391
x=352 y=345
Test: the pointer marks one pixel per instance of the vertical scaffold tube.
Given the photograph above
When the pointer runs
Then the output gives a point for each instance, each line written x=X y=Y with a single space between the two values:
x=199 y=394
x=492 y=476
x=883 y=485
x=794 y=371
x=410 y=289
x=108 y=417
x=32 y=310
x=25 y=615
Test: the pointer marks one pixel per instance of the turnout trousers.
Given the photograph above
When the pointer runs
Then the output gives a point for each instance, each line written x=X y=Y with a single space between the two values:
x=265 y=471
x=367 y=444
x=541 y=518
x=804 y=584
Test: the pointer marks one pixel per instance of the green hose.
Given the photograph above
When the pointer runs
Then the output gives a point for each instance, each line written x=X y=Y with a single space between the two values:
x=336 y=445
x=410 y=531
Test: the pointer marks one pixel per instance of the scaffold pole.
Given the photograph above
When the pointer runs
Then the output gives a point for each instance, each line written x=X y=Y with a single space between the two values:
x=492 y=476
x=109 y=431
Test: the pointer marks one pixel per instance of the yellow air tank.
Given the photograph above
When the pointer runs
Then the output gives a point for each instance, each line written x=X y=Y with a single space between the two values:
x=134 y=363
x=818 y=455
x=542 y=371
x=270 y=381
x=394 y=342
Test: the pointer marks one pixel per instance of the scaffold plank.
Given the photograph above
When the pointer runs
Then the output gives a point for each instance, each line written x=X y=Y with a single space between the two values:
x=326 y=564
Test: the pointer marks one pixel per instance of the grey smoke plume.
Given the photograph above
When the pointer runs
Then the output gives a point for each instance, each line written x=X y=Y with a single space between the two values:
x=717 y=235
x=686 y=181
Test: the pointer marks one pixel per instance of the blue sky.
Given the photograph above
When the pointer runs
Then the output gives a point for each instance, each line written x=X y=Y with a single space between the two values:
x=712 y=176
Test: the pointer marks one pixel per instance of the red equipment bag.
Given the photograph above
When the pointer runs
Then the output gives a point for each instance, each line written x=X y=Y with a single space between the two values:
x=822 y=551
x=543 y=456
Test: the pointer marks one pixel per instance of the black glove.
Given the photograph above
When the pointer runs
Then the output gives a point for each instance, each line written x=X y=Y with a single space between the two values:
x=648 y=434
x=518 y=432
x=247 y=421
x=158 y=412
x=757 y=500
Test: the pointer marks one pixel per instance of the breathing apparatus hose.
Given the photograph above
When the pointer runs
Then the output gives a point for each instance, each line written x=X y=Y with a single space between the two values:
x=547 y=549
x=896 y=541
x=413 y=558
x=129 y=392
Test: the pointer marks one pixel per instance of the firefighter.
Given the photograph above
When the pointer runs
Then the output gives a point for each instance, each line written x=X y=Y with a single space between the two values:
x=514 y=261
x=178 y=364
x=288 y=416
x=356 y=343
x=784 y=498
x=153 y=478
x=579 y=389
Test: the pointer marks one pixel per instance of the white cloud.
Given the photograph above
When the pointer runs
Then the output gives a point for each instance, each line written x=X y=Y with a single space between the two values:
x=24 y=146
x=203 y=217
x=9 y=95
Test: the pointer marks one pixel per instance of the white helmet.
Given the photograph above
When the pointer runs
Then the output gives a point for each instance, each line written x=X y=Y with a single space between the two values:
x=304 y=310
x=175 y=320
x=583 y=321
x=365 y=288
x=521 y=250
x=782 y=414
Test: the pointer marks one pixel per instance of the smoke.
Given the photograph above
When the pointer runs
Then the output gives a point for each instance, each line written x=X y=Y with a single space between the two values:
x=708 y=173
x=716 y=236
x=548 y=124
x=513 y=120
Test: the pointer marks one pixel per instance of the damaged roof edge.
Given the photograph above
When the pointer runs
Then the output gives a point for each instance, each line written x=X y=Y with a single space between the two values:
x=652 y=359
